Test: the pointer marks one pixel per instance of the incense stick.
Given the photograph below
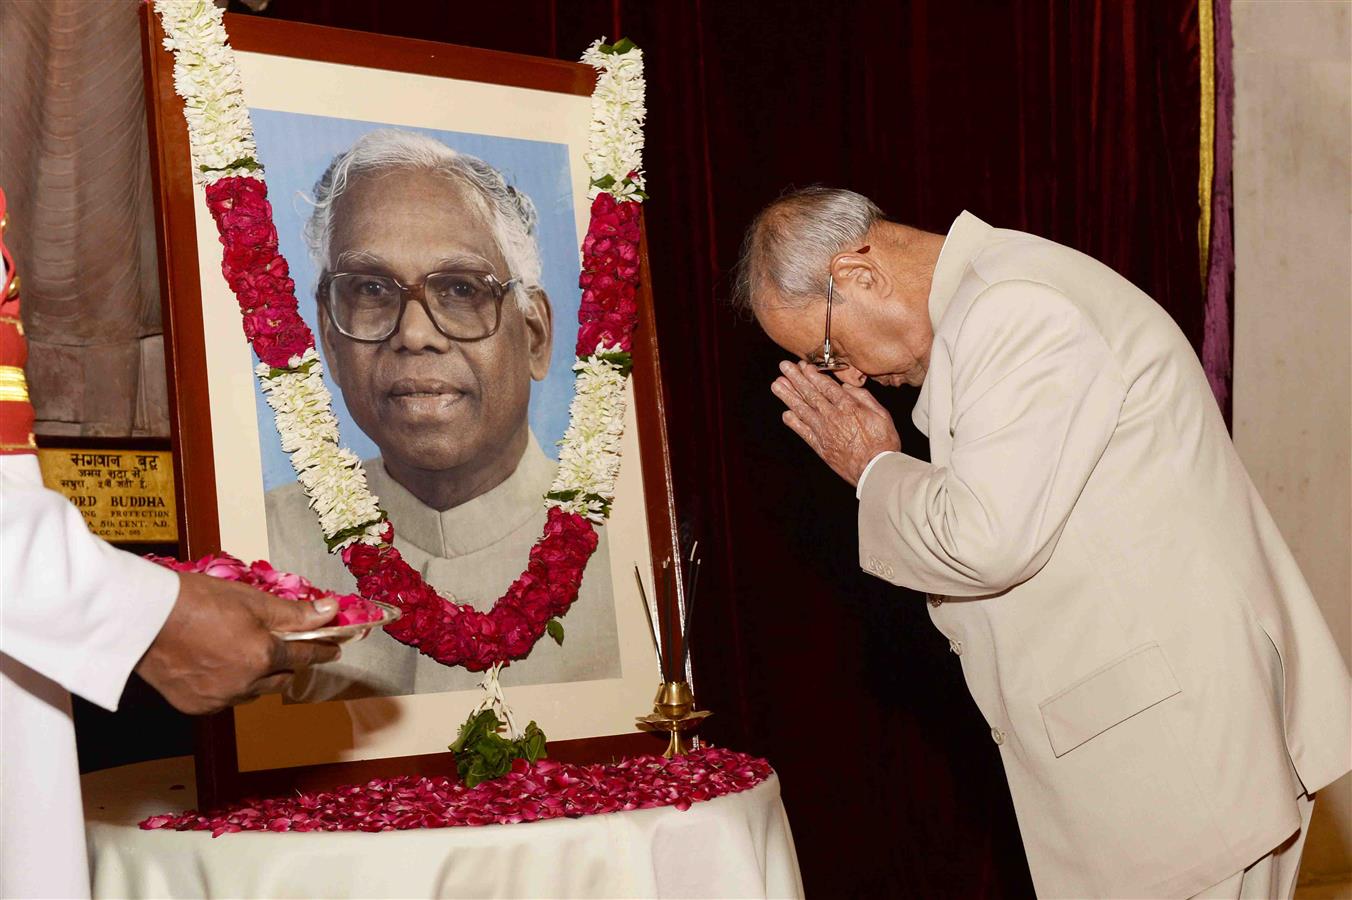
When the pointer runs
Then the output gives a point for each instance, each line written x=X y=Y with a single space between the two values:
x=678 y=580
x=687 y=598
x=668 y=584
x=689 y=611
x=650 y=610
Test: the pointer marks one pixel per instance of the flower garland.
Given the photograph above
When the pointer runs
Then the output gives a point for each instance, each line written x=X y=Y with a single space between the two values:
x=225 y=163
x=529 y=793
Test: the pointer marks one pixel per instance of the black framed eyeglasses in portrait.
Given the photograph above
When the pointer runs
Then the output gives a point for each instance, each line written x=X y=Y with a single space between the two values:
x=463 y=305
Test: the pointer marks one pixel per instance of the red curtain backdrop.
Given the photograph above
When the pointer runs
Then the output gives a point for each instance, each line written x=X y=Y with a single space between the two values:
x=1074 y=120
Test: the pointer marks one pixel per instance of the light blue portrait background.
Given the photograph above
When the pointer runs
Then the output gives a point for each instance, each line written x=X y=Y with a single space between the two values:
x=295 y=149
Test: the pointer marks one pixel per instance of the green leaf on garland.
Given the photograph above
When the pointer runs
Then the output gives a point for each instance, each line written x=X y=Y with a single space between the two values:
x=555 y=629
x=575 y=494
x=476 y=727
x=302 y=369
x=481 y=754
x=620 y=359
x=532 y=743
x=623 y=45
x=605 y=182
x=625 y=184
x=248 y=163
x=354 y=531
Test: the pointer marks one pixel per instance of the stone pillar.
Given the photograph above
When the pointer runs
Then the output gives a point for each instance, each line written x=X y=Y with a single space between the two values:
x=75 y=165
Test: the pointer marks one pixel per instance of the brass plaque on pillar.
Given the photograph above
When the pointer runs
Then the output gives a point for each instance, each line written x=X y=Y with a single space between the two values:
x=125 y=495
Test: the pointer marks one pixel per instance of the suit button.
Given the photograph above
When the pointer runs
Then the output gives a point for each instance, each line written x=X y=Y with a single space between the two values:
x=955 y=647
x=935 y=600
x=997 y=735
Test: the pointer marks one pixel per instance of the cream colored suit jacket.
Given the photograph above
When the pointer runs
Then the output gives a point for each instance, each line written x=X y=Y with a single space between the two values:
x=1150 y=661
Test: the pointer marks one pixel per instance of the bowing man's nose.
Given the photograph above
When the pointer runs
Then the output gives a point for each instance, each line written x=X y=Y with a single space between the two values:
x=851 y=375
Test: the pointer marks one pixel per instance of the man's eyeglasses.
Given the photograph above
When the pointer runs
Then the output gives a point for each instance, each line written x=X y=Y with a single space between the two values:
x=462 y=305
x=824 y=358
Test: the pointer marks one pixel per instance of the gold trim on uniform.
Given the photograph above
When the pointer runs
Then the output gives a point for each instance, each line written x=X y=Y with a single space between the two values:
x=13 y=385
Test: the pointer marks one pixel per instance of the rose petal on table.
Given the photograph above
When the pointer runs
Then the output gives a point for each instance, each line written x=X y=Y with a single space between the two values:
x=546 y=790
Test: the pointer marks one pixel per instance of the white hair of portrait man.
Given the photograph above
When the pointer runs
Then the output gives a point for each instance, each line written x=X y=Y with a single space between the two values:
x=790 y=244
x=511 y=213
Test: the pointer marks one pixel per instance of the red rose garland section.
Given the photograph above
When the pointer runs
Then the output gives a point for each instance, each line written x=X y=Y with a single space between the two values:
x=452 y=634
x=458 y=634
x=609 y=282
x=529 y=793
x=256 y=271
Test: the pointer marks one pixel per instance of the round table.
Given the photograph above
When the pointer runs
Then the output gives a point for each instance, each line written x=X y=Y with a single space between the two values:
x=733 y=846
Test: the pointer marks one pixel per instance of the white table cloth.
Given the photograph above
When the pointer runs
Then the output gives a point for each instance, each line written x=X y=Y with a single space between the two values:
x=734 y=846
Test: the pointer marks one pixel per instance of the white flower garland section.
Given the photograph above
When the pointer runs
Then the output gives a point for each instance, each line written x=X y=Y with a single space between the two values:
x=589 y=454
x=615 y=142
x=208 y=80
x=332 y=476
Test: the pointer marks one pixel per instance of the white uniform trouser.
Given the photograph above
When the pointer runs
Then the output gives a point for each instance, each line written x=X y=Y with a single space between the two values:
x=42 y=838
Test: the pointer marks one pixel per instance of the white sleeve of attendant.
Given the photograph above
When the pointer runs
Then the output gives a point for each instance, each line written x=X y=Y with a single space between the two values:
x=1036 y=398
x=74 y=608
x=859 y=488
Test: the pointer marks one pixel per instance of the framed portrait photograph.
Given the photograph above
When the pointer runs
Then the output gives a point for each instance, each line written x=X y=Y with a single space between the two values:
x=398 y=167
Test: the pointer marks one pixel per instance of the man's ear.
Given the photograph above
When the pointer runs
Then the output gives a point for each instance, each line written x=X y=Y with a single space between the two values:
x=860 y=271
x=539 y=316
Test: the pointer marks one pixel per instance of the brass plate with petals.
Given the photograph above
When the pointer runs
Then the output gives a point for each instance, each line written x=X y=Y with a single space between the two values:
x=340 y=634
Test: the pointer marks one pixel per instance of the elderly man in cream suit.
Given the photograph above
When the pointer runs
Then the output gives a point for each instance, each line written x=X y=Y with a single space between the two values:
x=1164 y=693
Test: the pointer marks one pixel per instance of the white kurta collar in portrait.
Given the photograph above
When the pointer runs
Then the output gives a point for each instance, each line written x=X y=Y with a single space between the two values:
x=475 y=524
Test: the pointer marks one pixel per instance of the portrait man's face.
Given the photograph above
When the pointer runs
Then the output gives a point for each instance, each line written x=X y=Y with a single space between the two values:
x=430 y=402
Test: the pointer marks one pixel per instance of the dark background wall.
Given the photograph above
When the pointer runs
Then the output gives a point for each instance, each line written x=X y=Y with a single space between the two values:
x=1074 y=120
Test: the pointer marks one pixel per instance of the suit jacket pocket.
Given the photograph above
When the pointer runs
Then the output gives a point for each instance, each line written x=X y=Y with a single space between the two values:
x=1107 y=697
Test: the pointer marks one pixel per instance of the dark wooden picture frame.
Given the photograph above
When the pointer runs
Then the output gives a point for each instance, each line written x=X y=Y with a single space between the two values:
x=218 y=776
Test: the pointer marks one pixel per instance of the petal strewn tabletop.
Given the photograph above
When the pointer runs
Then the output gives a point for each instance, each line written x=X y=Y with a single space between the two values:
x=734 y=846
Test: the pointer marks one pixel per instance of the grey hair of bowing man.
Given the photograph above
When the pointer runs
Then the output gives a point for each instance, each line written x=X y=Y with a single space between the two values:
x=789 y=245
x=878 y=272
x=510 y=212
